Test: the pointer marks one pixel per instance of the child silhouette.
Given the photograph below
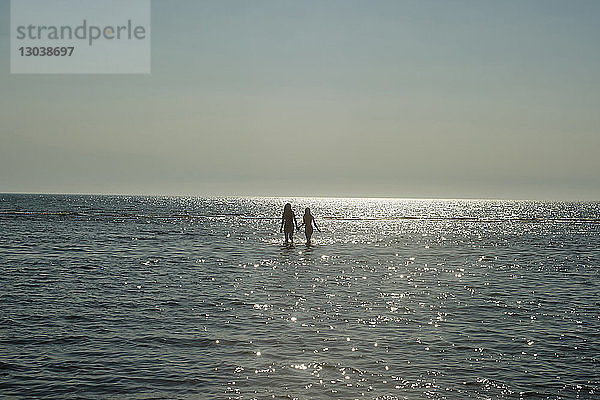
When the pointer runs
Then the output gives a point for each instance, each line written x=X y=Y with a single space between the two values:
x=288 y=220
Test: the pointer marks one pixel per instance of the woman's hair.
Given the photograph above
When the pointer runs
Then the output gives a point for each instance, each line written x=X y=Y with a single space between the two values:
x=287 y=210
x=307 y=211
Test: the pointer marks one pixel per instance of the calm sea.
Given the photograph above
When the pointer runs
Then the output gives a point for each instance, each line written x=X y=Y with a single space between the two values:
x=130 y=297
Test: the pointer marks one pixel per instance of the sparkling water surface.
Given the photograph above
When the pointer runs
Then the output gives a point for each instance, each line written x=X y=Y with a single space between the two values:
x=170 y=297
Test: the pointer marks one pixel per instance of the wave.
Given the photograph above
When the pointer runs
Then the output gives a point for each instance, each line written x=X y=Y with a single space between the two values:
x=182 y=216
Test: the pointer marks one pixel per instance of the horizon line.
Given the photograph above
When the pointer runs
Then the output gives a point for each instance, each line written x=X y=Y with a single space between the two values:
x=249 y=196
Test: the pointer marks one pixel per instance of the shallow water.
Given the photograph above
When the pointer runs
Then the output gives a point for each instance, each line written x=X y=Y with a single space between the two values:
x=168 y=297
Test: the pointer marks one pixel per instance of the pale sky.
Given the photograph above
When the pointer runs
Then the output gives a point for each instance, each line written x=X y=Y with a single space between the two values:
x=443 y=99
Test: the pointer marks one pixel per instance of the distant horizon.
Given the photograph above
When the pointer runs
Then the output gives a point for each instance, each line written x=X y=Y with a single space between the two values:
x=291 y=197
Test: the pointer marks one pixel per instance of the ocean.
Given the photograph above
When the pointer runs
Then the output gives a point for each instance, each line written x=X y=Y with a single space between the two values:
x=141 y=297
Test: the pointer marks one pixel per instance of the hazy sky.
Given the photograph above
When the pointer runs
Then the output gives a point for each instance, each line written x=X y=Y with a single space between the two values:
x=334 y=98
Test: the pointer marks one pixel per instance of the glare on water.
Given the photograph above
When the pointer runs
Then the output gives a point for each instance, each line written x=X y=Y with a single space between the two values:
x=396 y=299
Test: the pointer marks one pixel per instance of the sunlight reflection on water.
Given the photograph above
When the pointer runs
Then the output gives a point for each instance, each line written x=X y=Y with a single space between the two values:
x=187 y=297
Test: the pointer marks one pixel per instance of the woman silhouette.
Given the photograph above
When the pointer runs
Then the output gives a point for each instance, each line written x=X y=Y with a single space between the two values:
x=308 y=222
x=288 y=220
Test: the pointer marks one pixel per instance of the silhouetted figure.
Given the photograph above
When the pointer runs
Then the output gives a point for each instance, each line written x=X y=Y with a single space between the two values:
x=288 y=220
x=308 y=222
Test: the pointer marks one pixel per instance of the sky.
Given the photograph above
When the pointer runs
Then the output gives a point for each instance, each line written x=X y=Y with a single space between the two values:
x=344 y=98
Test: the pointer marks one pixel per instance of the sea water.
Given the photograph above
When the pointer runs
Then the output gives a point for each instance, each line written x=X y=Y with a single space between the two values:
x=179 y=297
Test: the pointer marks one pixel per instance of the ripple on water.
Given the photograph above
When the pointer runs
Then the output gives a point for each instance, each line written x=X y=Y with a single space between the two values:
x=454 y=300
